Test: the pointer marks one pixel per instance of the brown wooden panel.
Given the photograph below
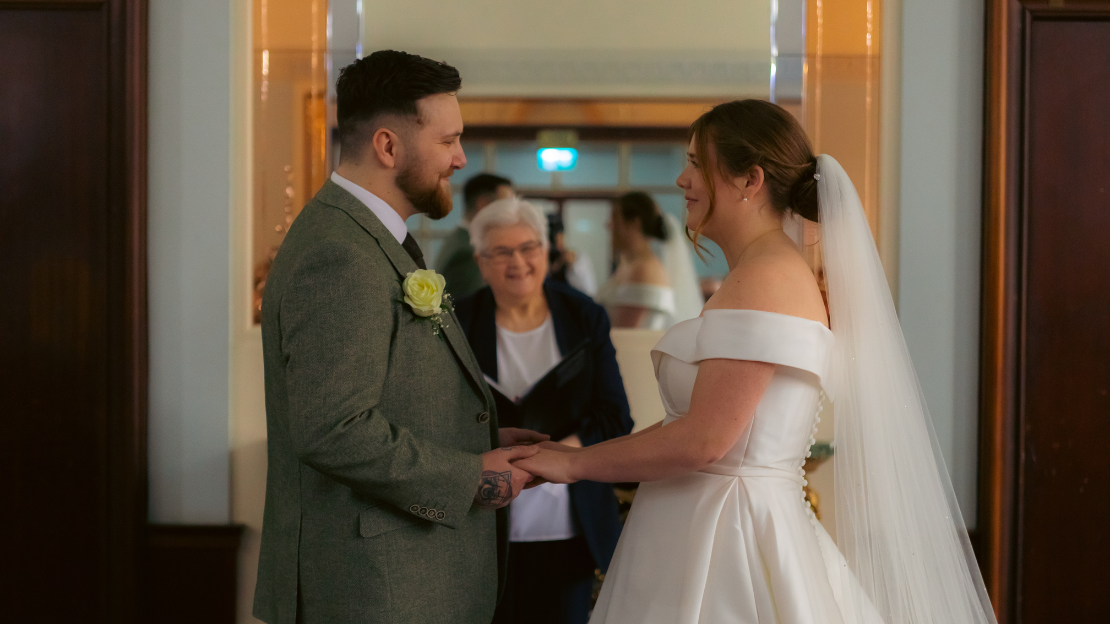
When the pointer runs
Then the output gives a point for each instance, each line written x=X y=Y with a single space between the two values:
x=616 y=112
x=585 y=133
x=72 y=328
x=1043 y=420
x=53 y=4
x=999 y=333
x=1065 y=505
x=192 y=574
x=52 y=246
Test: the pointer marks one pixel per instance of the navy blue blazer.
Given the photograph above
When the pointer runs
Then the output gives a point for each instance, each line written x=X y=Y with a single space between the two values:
x=576 y=317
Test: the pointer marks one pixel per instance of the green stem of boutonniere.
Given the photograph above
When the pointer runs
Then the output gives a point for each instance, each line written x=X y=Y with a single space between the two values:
x=439 y=320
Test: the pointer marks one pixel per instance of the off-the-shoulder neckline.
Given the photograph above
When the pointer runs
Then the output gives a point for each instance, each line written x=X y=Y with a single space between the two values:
x=749 y=311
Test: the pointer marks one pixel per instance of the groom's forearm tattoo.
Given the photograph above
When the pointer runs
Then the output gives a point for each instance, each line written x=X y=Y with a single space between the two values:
x=495 y=488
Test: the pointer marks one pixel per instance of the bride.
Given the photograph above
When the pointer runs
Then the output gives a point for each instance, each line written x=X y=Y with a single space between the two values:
x=720 y=530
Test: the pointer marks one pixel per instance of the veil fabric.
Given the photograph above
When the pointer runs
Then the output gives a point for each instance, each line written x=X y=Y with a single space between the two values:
x=898 y=523
x=677 y=259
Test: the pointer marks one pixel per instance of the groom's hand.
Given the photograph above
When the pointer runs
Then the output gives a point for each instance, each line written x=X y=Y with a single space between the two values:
x=511 y=436
x=501 y=481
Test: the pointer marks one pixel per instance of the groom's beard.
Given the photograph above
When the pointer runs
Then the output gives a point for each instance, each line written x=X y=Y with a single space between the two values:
x=430 y=198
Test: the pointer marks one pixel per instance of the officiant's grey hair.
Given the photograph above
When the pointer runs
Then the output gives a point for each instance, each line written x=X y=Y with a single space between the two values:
x=504 y=213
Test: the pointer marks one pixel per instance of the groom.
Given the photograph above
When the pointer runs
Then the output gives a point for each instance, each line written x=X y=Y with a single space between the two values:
x=384 y=502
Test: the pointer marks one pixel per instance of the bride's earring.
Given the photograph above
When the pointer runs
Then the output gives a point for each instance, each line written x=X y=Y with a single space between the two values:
x=745 y=199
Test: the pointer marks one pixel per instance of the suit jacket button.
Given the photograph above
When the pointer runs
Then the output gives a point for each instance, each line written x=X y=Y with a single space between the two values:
x=440 y=515
x=423 y=511
x=483 y=418
x=431 y=513
x=415 y=509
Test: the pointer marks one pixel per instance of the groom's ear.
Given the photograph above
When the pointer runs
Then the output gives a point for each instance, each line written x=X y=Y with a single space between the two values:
x=386 y=146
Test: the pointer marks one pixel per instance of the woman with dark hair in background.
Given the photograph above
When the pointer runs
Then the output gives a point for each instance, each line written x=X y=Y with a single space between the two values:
x=639 y=293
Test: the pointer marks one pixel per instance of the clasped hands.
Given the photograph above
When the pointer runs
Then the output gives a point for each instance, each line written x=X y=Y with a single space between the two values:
x=525 y=459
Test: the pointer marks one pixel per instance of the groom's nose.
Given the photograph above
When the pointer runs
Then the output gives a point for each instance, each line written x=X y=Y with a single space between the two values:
x=459 y=160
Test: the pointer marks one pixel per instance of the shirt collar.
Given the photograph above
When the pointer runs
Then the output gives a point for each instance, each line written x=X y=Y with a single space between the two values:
x=383 y=211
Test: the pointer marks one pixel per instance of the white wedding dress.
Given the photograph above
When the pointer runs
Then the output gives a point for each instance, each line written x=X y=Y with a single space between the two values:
x=658 y=302
x=736 y=542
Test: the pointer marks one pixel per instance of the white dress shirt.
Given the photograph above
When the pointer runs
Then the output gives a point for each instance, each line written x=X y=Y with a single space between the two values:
x=542 y=513
x=383 y=211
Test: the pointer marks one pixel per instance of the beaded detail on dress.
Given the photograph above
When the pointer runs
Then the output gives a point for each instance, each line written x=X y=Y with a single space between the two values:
x=812 y=440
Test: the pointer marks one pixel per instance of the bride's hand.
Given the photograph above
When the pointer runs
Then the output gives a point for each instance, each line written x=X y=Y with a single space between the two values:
x=551 y=465
x=559 y=446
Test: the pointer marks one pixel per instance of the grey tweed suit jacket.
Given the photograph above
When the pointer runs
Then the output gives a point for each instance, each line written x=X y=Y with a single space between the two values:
x=375 y=428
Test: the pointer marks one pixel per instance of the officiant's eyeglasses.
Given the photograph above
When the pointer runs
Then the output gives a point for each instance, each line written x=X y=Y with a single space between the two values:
x=502 y=255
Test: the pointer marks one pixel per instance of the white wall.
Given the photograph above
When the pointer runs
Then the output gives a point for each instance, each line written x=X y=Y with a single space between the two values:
x=585 y=48
x=941 y=156
x=189 y=219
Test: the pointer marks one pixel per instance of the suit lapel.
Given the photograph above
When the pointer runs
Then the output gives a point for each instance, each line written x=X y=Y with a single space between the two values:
x=333 y=195
x=458 y=342
x=483 y=332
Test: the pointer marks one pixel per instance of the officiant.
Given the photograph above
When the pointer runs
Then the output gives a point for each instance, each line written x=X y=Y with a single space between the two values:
x=545 y=350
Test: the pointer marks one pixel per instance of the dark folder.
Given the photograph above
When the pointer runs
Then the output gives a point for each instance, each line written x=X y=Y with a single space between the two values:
x=553 y=406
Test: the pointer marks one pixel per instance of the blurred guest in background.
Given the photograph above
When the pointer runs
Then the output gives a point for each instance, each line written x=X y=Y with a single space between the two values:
x=521 y=327
x=568 y=266
x=455 y=260
x=639 y=292
x=709 y=286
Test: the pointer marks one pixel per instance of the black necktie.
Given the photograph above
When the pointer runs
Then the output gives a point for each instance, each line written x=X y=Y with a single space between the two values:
x=414 y=251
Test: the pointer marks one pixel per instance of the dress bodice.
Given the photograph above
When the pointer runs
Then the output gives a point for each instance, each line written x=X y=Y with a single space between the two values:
x=779 y=434
x=736 y=541
x=659 y=301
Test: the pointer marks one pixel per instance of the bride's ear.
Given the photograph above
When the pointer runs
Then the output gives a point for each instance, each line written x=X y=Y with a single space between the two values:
x=753 y=181
x=748 y=185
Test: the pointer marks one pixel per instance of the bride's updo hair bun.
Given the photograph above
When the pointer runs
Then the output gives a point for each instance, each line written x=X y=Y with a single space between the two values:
x=803 y=195
x=754 y=133
x=641 y=207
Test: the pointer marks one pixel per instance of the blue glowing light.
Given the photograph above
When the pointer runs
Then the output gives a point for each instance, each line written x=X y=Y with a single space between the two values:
x=557 y=158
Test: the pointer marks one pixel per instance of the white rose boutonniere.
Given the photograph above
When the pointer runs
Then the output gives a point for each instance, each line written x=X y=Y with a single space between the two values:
x=425 y=294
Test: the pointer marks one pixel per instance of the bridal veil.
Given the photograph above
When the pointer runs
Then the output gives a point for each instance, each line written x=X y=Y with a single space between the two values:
x=677 y=258
x=898 y=523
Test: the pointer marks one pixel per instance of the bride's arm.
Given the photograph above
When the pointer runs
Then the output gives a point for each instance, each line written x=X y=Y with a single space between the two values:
x=630 y=436
x=570 y=447
x=724 y=399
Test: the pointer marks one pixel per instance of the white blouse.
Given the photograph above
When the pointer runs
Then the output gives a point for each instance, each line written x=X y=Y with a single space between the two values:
x=542 y=513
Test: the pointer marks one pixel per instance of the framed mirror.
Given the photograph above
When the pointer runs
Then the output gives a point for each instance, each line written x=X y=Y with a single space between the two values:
x=628 y=77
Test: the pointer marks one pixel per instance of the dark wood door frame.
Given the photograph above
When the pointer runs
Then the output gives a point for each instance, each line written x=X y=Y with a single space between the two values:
x=124 y=498
x=128 y=27
x=1005 y=202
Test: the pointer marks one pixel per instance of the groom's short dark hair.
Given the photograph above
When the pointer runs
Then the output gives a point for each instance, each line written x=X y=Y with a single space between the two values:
x=387 y=82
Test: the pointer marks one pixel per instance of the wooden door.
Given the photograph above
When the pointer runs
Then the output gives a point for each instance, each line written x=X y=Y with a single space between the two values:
x=1045 y=465
x=72 y=309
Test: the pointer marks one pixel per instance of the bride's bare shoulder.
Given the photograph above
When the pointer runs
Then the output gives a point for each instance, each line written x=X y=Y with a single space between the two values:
x=778 y=281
